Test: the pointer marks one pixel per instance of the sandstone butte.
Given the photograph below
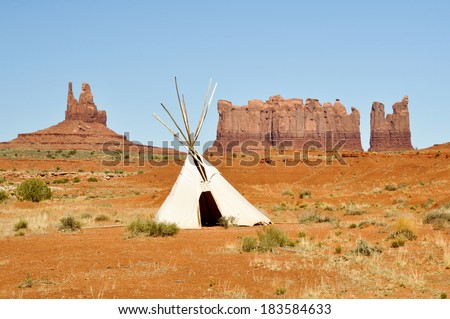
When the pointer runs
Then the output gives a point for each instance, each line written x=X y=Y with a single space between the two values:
x=84 y=128
x=287 y=123
x=390 y=133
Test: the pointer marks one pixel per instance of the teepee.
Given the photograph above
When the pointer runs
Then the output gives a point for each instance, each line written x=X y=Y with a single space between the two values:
x=201 y=195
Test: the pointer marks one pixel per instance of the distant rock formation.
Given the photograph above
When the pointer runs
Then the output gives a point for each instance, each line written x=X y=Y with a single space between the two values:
x=84 y=109
x=279 y=120
x=390 y=133
x=84 y=128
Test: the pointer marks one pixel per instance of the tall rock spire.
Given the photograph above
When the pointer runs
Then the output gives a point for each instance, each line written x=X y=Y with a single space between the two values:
x=84 y=109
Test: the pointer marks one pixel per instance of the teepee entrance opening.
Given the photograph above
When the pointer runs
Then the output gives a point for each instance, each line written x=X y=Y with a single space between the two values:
x=209 y=212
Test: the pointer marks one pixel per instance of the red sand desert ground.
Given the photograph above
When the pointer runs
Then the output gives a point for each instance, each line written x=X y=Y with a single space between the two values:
x=368 y=199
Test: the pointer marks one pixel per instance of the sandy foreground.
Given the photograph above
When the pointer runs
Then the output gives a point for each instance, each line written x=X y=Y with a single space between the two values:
x=368 y=199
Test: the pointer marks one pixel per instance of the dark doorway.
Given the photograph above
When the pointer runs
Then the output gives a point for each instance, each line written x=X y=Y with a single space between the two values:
x=209 y=212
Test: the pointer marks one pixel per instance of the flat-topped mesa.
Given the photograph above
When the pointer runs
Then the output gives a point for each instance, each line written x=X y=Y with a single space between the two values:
x=390 y=133
x=84 y=109
x=287 y=122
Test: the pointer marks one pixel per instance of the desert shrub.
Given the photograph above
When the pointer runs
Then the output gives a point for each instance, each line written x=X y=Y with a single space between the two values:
x=61 y=181
x=267 y=240
x=439 y=217
x=314 y=217
x=366 y=223
x=377 y=190
x=227 y=222
x=353 y=225
x=279 y=207
x=2 y=179
x=338 y=250
x=3 y=196
x=390 y=187
x=280 y=291
x=271 y=238
x=354 y=210
x=399 y=242
x=69 y=224
x=86 y=216
x=92 y=179
x=403 y=234
x=76 y=179
x=27 y=283
x=101 y=218
x=305 y=194
x=287 y=193
x=402 y=185
x=152 y=228
x=363 y=248
x=21 y=224
x=249 y=244
x=403 y=229
x=428 y=203
x=33 y=190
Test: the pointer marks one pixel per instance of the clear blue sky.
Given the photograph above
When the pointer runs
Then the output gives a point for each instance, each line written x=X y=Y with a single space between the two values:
x=129 y=51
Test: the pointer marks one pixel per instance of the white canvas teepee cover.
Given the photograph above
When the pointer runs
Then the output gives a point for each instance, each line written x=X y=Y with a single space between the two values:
x=182 y=205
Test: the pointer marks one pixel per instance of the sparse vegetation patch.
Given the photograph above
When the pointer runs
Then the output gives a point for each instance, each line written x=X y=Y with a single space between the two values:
x=391 y=187
x=101 y=218
x=152 y=228
x=267 y=240
x=227 y=221
x=3 y=196
x=305 y=194
x=439 y=217
x=21 y=224
x=363 y=248
x=69 y=224
x=314 y=217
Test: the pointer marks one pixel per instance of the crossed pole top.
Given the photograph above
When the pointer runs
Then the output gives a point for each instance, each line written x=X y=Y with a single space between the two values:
x=187 y=139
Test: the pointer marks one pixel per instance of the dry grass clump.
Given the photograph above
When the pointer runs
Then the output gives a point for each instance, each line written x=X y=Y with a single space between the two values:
x=391 y=187
x=227 y=222
x=314 y=217
x=306 y=193
x=69 y=224
x=439 y=217
x=403 y=230
x=3 y=196
x=150 y=228
x=355 y=209
x=101 y=218
x=363 y=248
x=268 y=239
x=21 y=224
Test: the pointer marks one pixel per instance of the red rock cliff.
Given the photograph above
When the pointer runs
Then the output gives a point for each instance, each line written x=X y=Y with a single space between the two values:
x=390 y=133
x=278 y=120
